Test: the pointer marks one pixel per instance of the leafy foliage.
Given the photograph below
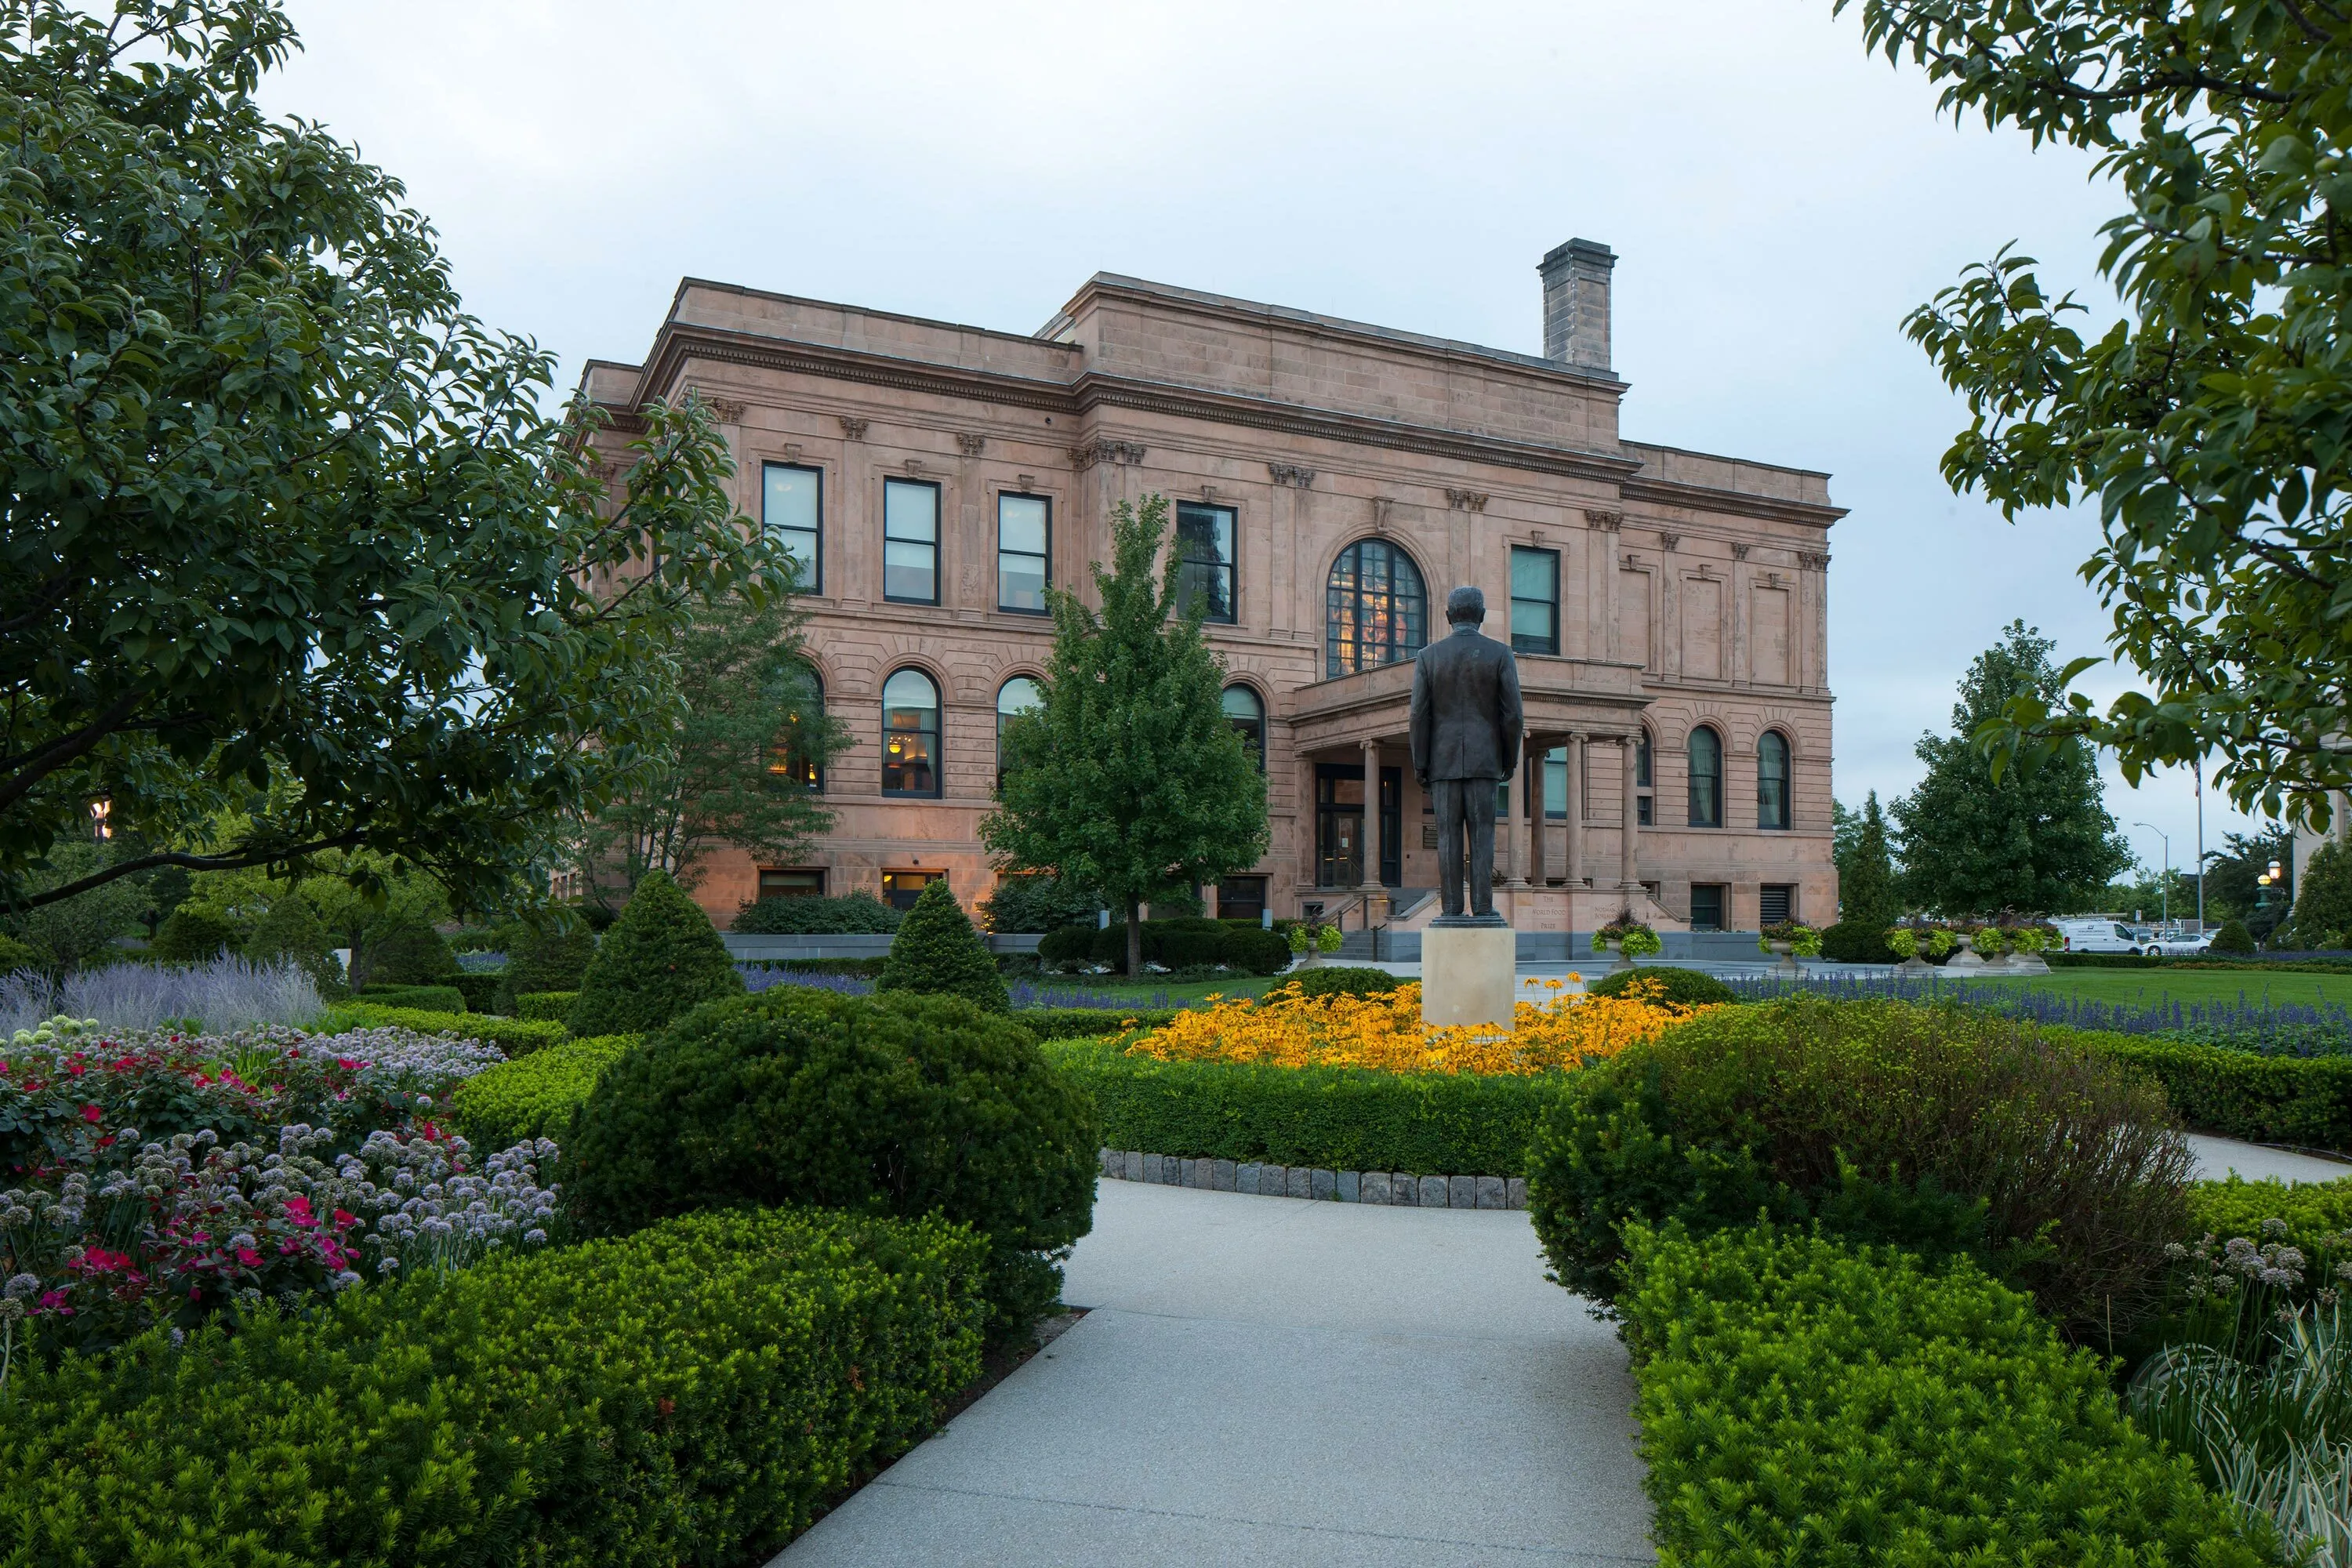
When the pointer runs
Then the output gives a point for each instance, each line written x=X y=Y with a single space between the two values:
x=192 y=935
x=535 y=1096
x=937 y=951
x=2323 y=902
x=858 y=914
x=1128 y=777
x=1867 y=872
x=1663 y=983
x=1852 y=941
x=1337 y=1119
x=1930 y=1127
x=1343 y=980
x=1807 y=1400
x=1037 y=904
x=2304 y=1101
x=542 y=957
x=595 y=1404
x=282 y=520
x=898 y=1104
x=2037 y=838
x=661 y=958
x=730 y=774
x=2210 y=422
x=1176 y=944
x=515 y=1037
x=2234 y=937
x=16 y=955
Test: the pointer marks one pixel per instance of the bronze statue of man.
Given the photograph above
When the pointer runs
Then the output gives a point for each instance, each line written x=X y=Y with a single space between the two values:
x=1466 y=728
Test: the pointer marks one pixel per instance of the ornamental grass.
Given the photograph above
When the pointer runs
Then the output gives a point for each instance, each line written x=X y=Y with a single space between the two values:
x=1284 y=1028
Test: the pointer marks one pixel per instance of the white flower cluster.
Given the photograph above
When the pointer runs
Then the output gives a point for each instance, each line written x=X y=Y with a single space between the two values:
x=60 y=1032
x=426 y=1211
x=405 y=1060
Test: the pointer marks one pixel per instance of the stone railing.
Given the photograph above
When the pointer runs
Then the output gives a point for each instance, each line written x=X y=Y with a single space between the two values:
x=1397 y=1189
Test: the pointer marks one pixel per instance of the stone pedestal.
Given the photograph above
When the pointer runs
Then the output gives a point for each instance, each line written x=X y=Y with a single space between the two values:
x=1469 y=975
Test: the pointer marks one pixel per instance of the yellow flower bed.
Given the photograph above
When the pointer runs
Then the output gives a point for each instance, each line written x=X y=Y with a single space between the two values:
x=1285 y=1029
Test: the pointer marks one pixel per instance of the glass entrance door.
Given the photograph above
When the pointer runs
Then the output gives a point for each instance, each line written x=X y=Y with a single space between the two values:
x=1339 y=825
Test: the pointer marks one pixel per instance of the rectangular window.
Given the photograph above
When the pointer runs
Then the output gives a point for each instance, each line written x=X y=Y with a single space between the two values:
x=1708 y=900
x=791 y=509
x=910 y=542
x=1775 y=902
x=792 y=884
x=901 y=889
x=1204 y=543
x=1024 y=534
x=1535 y=600
x=1554 y=772
x=1646 y=811
x=1241 y=898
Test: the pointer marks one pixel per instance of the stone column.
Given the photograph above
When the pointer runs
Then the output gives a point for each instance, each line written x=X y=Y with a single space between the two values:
x=1530 y=768
x=1575 y=810
x=1539 y=814
x=1629 y=863
x=1371 y=885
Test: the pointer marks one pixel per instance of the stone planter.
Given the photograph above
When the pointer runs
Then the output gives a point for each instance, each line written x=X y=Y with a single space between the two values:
x=1786 y=952
x=1615 y=948
x=1964 y=957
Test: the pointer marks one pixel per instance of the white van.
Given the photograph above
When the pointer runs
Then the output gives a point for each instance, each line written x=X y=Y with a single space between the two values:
x=2102 y=935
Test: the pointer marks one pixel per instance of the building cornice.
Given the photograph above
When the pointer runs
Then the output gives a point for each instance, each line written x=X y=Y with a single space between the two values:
x=1700 y=498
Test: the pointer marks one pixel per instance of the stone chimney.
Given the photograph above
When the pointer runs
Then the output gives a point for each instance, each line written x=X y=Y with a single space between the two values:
x=1576 y=304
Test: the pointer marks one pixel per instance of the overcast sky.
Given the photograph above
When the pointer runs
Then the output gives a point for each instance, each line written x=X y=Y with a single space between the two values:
x=1778 y=200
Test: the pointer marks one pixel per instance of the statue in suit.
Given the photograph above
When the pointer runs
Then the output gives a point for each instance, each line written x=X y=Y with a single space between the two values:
x=1467 y=724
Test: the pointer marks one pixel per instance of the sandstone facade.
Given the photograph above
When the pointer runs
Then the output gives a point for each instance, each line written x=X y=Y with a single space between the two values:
x=1691 y=590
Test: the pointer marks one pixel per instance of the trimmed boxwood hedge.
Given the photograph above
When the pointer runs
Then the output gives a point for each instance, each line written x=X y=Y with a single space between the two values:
x=695 y=1392
x=535 y=1096
x=2303 y=1101
x=1339 y=1119
x=1807 y=1402
x=516 y=1037
x=1078 y=1023
x=429 y=998
x=544 y=1006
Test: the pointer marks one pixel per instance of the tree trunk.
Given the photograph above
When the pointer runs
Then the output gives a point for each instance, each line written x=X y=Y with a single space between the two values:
x=1135 y=939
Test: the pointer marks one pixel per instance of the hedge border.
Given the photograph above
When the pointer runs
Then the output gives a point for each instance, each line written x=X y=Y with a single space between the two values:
x=534 y=1096
x=1804 y=1400
x=516 y=1037
x=1332 y=1119
x=2300 y=1101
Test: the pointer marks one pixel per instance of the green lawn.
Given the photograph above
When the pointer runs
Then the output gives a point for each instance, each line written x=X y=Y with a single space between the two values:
x=2143 y=988
x=1189 y=993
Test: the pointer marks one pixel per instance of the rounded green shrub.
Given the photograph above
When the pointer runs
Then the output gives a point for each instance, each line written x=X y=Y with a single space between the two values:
x=1684 y=987
x=1256 y=951
x=894 y=1104
x=194 y=935
x=1934 y=1128
x=662 y=958
x=847 y=915
x=291 y=929
x=936 y=953
x=407 y=953
x=1343 y=980
x=543 y=957
x=1068 y=944
x=1857 y=942
x=535 y=1096
x=16 y=955
x=2234 y=937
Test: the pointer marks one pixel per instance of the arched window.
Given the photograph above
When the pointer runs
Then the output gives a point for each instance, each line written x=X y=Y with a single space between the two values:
x=1246 y=714
x=1771 y=780
x=1705 y=778
x=1017 y=696
x=793 y=760
x=910 y=734
x=1375 y=609
x=1645 y=802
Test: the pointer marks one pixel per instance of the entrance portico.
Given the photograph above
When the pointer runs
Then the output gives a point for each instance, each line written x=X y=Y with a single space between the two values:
x=1351 y=730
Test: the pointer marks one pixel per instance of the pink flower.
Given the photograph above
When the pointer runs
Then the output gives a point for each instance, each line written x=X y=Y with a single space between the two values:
x=249 y=1257
x=89 y=1113
x=53 y=1301
x=348 y=1065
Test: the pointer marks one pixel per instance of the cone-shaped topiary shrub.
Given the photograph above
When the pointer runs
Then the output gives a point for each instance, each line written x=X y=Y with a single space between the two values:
x=194 y=936
x=662 y=957
x=2234 y=937
x=894 y=1104
x=936 y=951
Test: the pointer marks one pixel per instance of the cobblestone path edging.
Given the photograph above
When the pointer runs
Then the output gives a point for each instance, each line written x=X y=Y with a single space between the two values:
x=1399 y=1189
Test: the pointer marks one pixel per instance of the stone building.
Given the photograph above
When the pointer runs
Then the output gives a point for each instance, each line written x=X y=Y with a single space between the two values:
x=1330 y=482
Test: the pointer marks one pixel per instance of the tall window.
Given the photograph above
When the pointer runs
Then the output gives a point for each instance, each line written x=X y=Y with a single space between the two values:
x=1771 y=780
x=1204 y=543
x=1705 y=778
x=910 y=734
x=1535 y=600
x=791 y=509
x=1710 y=905
x=792 y=761
x=1246 y=714
x=1024 y=534
x=910 y=542
x=1017 y=696
x=1646 y=791
x=1556 y=784
x=1375 y=610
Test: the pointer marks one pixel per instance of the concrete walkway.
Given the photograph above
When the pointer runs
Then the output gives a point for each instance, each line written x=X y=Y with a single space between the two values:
x=1262 y=1381
x=2218 y=1158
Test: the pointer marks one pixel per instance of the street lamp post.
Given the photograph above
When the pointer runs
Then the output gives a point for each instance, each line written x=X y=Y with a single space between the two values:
x=2164 y=888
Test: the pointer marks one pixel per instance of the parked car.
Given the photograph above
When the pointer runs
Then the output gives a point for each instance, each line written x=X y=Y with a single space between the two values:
x=2103 y=936
x=2183 y=944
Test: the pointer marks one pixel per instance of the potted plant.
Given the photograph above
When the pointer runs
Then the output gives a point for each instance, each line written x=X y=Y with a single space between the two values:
x=1628 y=938
x=2027 y=943
x=1310 y=940
x=1790 y=940
x=1904 y=943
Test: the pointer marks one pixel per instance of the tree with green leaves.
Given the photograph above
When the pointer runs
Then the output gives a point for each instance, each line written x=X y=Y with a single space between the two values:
x=2210 y=423
x=1127 y=778
x=2037 y=840
x=277 y=516
x=2322 y=905
x=1866 y=872
x=739 y=768
x=2233 y=874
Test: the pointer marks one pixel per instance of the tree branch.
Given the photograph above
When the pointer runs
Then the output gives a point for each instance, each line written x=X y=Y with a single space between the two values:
x=352 y=838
